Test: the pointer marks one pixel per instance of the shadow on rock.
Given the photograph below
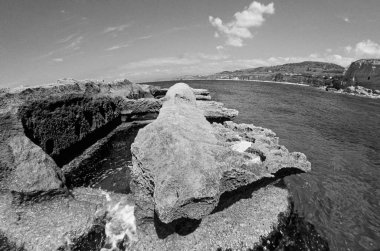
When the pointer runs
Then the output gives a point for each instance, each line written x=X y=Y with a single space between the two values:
x=181 y=226
x=245 y=192
x=293 y=233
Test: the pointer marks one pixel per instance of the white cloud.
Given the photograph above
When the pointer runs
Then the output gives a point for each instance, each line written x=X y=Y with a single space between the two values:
x=165 y=61
x=74 y=43
x=116 y=47
x=144 y=37
x=67 y=39
x=348 y=49
x=238 y=29
x=367 y=49
x=219 y=47
x=212 y=57
x=118 y=28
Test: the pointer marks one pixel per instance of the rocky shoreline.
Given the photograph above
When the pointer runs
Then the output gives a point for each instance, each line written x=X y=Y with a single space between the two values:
x=198 y=181
x=358 y=91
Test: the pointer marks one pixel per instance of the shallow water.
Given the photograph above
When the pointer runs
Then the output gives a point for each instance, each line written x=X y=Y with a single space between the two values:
x=340 y=134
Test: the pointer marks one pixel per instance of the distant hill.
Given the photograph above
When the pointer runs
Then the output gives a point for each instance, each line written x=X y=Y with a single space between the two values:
x=308 y=72
x=364 y=72
x=307 y=67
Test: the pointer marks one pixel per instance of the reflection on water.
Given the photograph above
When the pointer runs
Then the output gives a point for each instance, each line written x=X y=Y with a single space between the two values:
x=340 y=134
x=115 y=179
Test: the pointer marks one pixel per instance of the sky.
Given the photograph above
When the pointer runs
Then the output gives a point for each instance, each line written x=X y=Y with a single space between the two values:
x=42 y=41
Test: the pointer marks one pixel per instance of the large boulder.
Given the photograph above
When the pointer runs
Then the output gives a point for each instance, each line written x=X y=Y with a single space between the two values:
x=182 y=164
x=31 y=170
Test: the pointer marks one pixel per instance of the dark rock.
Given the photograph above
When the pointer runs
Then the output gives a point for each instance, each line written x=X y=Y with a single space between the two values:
x=203 y=97
x=200 y=92
x=182 y=165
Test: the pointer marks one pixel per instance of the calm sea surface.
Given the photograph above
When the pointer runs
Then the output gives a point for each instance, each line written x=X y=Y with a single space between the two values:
x=340 y=135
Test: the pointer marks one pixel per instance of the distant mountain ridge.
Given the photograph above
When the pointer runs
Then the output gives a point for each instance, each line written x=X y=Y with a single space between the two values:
x=296 y=68
x=308 y=72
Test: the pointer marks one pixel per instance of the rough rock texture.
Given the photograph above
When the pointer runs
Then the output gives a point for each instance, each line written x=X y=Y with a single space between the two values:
x=39 y=125
x=364 y=72
x=58 y=123
x=63 y=222
x=143 y=105
x=182 y=165
x=239 y=226
x=24 y=166
x=31 y=170
x=215 y=111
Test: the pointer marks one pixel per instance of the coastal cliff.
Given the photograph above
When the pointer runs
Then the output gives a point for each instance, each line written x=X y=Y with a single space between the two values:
x=191 y=178
x=364 y=72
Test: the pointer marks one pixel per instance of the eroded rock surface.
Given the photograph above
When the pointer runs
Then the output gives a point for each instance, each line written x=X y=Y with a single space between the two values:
x=76 y=222
x=215 y=111
x=182 y=164
x=40 y=126
x=240 y=226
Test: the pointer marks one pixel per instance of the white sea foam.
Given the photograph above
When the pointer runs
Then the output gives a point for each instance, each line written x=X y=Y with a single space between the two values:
x=121 y=226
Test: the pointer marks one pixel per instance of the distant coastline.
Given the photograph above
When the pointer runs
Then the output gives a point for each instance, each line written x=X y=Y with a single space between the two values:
x=266 y=81
x=359 y=91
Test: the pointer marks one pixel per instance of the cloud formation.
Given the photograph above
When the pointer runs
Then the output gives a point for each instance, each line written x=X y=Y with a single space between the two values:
x=367 y=49
x=118 y=28
x=165 y=61
x=238 y=29
x=116 y=47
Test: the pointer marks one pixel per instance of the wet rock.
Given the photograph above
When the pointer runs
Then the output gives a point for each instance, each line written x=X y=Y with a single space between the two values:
x=182 y=165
